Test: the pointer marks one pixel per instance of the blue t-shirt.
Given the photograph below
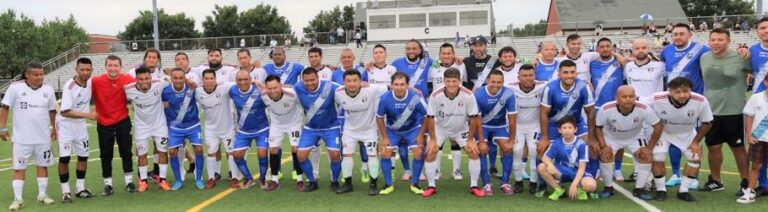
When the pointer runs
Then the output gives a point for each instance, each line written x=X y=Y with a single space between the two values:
x=255 y=118
x=568 y=155
x=338 y=75
x=324 y=114
x=410 y=69
x=547 y=72
x=392 y=109
x=175 y=101
x=759 y=62
x=606 y=91
x=692 y=70
x=486 y=103
x=288 y=77
x=558 y=100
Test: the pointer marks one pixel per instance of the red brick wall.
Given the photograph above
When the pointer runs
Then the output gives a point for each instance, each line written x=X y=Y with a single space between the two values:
x=553 y=21
x=101 y=44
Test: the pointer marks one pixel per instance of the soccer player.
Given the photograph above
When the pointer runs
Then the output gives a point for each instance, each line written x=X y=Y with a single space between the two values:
x=619 y=125
x=759 y=62
x=680 y=110
x=403 y=109
x=380 y=73
x=285 y=120
x=252 y=125
x=546 y=66
x=151 y=61
x=223 y=73
x=219 y=128
x=315 y=57
x=582 y=59
x=478 y=62
x=528 y=94
x=566 y=161
x=606 y=73
x=756 y=124
x=34 y=111
x=113 y=123
x=287 y=71
x=508 y=65
x=72 y=129
x=183 y=124
x=247 y=64
x=497 y=105
x=317 y=99
x=447 y=60
x=149 y=119
x=359 y=103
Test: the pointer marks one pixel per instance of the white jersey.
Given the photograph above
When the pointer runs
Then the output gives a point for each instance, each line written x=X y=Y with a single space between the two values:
x=325 y=74
x=284 y=113
x=156 y=74
x=381 y=76
x=258 y=74
x=510 y=76
x=680 y=123
x=452 y=115
x=437 y=71
x=74 y=98
x=647 y=79
x=620 y=127
x=360 y=111
x=149 y=116
x=31 y=109
x=223 y=74
x=757 y=107
x=582 y=64
x=528 y=105
x=218 y=110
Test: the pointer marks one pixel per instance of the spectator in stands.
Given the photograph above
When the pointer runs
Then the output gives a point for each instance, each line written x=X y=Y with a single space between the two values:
x=652 y=28
x=745 y=26
x=668 y=28
x=287 y=43
x=598 y=29
x=691 y=25
x=666 y=42
x=458 y=39
x=703 y=26
x=273 y=43
x=717 y=25
x=493 y=38
x=340 y=35
x=331 y=37
x=592 y=45
x=538 y=50
x=242 y=42
x=467 y=40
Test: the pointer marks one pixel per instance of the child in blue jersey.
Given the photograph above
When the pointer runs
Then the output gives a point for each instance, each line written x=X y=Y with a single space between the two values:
x=287 y=71
x=252 y=124
x=183 y=123
x=566 y=161
x=404 y=110
x=317 y=99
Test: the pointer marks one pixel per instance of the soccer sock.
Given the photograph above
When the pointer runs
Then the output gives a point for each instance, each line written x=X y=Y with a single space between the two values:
x=506 y=168
x=181 y=155
x=438 y=160
x=763 y=176
x=163 y=170
x=484 y=169
x=346 y=166
x=403 y=152
x=363 y=154
x=675 y=156
x=619 y=159
x=18 y=187
x=492 y=152
x=155 y=161
x=233 y=167
x=199 y=166
x=417 y=167
x=635 y=163
x=296 y=165
x=431 y=172
x=336 y=170
x=474 y=171
x=386 y=169
x=156 y=166
x=210 y=163
x=42 y=186
x=108 y=181
x=518 y=165
x=660 y=183
x=79 y=185
x=686 y=184
x=176 y=168
x=64 y=179
x=243 y=167
x=279 y=159
x=274 y=166
x=142 y=172
x=306 y=165
x=314 y=157
x=643 y=172
x=128 y=177
x=533 y=163
x=606 y=172
x=456 y=159
x=263 y=165
x=373 y=167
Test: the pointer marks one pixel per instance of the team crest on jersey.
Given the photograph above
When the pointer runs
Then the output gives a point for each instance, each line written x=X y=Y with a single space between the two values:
x=689 y=55
x=286 y=105
x=23 y=93
x=663 y=112
x=637 y=119
x=45 y=96
x=441 y=114
x=23 y=105
x=461 y=103
x=364 y=99
x=758 y=108
x=691 y=113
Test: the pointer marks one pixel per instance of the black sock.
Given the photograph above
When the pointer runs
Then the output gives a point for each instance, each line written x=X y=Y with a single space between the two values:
x=274 y=163
x=80 y=174
x=296 y=166
x=191 y=167
x=373 y=181
x=155 y=168
x=64 y=177
x=348 y=180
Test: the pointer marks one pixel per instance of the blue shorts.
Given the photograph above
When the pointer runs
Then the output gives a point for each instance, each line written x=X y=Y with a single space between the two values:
x=406 y=138
x=581 y=130
x=243 y=140
x=493 y=133
x=567 y=174
x=176 y=137
x=310 y=138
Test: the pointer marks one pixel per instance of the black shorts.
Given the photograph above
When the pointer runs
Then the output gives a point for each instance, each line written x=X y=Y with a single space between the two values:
x=726 y=129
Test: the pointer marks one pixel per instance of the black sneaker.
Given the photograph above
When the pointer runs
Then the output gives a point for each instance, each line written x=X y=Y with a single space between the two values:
x=310 y=187
x=518 y=187
x=494 y=172
x=661 y=196
x=85 y=194
x=607 y=192
x=346 y=188
x=743 y=185
x=642 y=194
x=108 y=190
x=335 y=187
x=373 y=189
x=532 y=187
x=130 y=188
x=631 y=178
x=66 y=198
x=713 y=185
x=685 y=196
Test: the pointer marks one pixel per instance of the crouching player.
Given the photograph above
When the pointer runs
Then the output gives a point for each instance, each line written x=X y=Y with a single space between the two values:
x=566 y=161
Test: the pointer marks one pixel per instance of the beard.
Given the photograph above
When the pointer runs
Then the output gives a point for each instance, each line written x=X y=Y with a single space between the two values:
x=214 y=64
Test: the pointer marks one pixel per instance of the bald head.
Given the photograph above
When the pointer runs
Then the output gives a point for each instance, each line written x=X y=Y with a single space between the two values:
x=640 y=49
x=624 y=90
x=625 y=96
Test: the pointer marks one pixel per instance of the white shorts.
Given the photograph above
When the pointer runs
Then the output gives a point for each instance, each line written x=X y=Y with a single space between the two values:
x=349 y=144
x=142 y=144
x=662 y=148
x=73 y=138
x=42 y=154
x=459 y=137
x=633 y=144
x=214 y=142
x=525 y=136
x=278 y=134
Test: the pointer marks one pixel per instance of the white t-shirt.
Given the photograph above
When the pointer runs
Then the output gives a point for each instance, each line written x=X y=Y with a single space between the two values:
x=156 y=74
x=325 y=74
x=510 y=76
x=149 y=116
x=620 y=127
x=222 y=75
x=284 y=113
x=582 y=64
x=218 y=109
x=528 y=105
x=437 y=71
x=680 y=123
x=256 y=74
x=757 y=107
x=75 y=98
x=381 y=76
x=452 y=115
x=31 y=109
x=360 y=111
x=646 y=79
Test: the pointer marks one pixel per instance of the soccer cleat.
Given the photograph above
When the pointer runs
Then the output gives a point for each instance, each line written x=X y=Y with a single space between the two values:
x=661 y=196
x=506 y=189
x=642 y=194
x=557 y=194
x=84 y=194
x=518 y=187
x=632 y=178
x=66 y=198
x=743 y=186
x=45 y=200
x=618 y=176
x=373 y=190
x=294 y=176
x=300 y=186
x=366 y=177
x=143 y=185
x=388 y=189
x=108 y=190
x=607 y=192
x=673 y=181
x=457 y=175
x=488 y=190
x=685 y=196
x=335 y=187
x=155 y=177
x=16 y=205
x=176 y=186
x=164 y=185
x=477 y=192
x=594 y=195
x=272 y=185
x=263 y=183
x=540 y=193
x=130 y=188
x=581 y=194
x=495 y=172
x=310 y=187
x=416 y=190
x=532 y=187
x=429 y=192
x=279 y=175
x=248 y=183
x=406 y=175
x=346 y=188
x=210 y=183
x=748 y=197
x=526 y=176
x=713 y=185
x=234 y=183
x=200 y=184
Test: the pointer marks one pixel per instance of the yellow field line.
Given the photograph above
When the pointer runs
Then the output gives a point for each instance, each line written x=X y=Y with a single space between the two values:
x=224 y=193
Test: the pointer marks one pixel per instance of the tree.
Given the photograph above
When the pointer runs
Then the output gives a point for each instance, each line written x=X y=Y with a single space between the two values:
x=531 y=29
x=328 y=21
x=224 y=22
x=170 y=26
x=261 y=20
x=696 y=8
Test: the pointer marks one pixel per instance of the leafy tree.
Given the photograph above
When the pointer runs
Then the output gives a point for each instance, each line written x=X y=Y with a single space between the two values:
x=223 y=22
x=328 y=21
x=531 y=29
x=170 y=26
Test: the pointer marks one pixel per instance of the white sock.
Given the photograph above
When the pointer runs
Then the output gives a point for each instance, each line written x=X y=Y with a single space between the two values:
x=80 y=185
x=142 y=172
x=364 y=166
x=18 y=187
x=346 y=166
x=233 y=167
x=217 y=165
x=532 y=162
x=42 y=186
x=155 y=158
x=163 y=170
x=643 y=171
x=606 y=172
x=456 y=157
x=314 y=157
x=661 y=184
x=394 y=160
x=210 y=163
x=431 y=172
x=474 y=171
x=128 y=178
x=518 y=167
x=108 y=181
x=65 y=188
x=373 y=166
x=439 y=160
x=686 y=184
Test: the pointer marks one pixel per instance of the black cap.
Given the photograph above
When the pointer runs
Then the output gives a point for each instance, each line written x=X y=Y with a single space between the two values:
x=479 y=38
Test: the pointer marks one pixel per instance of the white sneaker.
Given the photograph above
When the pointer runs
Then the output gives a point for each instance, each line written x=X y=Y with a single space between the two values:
x=45 y=200
x=406 y=175
x=748 y=197
x=16 y=205
x=457 y=175
x=618 y=176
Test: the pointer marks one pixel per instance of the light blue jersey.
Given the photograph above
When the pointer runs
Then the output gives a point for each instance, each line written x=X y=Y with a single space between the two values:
x=562 y=103
x=606 y=79
x=418 y=72
x=402 y=115
x=319 y=106
x=338 y=75
x=568 y=154
x=685 y=63
x=288 y=73
x=495 y=108
x=253 y=118
x=180 y=102
x=759 y=62
x=547 y=72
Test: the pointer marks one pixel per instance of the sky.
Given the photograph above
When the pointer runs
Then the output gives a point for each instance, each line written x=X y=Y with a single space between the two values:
x=97 y=17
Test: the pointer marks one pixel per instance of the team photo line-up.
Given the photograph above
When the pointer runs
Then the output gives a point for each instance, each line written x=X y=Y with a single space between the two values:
x=568 y=119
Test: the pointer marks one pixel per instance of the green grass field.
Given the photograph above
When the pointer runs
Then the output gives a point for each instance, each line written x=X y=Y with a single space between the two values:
x=452 y=195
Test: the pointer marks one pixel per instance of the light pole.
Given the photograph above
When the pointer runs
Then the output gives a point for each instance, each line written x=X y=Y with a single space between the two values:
x=156 y=33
